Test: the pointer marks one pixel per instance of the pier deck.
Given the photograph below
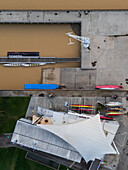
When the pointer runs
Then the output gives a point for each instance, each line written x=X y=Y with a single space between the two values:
x=37 y=60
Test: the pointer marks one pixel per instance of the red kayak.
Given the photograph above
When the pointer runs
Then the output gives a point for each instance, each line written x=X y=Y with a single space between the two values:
x=101 y=117
x=108 y=87
x=106 y=118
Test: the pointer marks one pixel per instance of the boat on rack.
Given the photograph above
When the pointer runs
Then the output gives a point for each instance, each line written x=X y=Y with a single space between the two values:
x=27 y=64
x=114 y=113
x=33 y=64
x=13 y=65
x=79 y=107
x=114 y=104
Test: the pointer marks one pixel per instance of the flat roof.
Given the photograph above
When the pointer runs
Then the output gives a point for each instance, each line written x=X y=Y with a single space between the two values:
x=28 y=135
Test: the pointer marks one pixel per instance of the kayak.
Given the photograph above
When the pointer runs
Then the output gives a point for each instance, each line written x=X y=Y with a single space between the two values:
x=113 y=104
x=108 y=87
x=114 y=113
x=84 y=109
x=79 y=105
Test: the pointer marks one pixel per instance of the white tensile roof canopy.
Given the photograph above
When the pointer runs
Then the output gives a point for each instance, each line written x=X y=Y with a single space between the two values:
x=86 y=136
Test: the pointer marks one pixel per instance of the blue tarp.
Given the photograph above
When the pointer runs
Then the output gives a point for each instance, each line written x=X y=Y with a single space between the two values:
x=40 y=86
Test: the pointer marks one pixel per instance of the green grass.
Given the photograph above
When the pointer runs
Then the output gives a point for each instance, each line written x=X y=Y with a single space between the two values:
x=12 y=109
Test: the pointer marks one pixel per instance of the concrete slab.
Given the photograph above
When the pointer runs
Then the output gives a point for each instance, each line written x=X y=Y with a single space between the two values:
x=15 y=16
x=85 y=58
x=70 y=78
x=110 y=76
x=112 y=66
x=50 y=76
x=109 y=22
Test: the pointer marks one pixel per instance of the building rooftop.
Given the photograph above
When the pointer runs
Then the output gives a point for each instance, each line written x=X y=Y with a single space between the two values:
x=28 y=135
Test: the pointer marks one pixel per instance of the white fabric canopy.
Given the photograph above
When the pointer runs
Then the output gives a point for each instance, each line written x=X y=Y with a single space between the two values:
x=86 y=136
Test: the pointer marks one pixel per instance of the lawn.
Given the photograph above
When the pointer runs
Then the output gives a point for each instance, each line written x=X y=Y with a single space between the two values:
x=11 y=109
